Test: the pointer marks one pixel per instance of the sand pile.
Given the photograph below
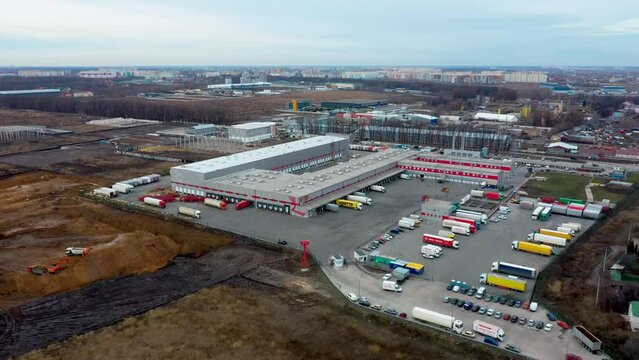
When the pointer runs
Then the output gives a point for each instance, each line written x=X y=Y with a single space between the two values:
x=130 y=253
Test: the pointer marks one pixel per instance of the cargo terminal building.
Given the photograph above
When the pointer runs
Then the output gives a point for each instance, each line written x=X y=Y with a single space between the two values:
x=265 y=176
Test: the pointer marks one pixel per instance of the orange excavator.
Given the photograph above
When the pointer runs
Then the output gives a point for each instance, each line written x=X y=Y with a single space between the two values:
x=53 y=269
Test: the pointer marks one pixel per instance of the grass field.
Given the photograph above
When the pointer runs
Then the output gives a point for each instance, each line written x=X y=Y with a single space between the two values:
x=566 y=185
x=558 y=185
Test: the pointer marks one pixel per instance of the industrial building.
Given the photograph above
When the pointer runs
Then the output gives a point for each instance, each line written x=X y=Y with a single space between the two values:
x=252 y=132
x=195 y=177
x=353 y=104
x=486 y=116
x=201 y=130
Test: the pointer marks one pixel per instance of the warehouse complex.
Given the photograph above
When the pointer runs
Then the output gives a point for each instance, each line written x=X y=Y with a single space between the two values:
x=267 y=177
x=252 y=132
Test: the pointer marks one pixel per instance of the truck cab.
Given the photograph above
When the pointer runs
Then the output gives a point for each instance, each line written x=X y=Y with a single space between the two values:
x=458 y=326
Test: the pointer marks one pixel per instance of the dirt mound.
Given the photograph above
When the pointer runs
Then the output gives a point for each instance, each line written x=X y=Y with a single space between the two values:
x=131 y=253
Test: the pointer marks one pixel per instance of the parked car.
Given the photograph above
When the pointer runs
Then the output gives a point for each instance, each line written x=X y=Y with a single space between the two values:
x=522 y=320
x=497 y=315
x=364 y=302
x=352 y=297
x=456 y=288
x=282 y=242
x=513 y=348
x=468 y=305
x=482 y=310
x=488 y=298
x=490 y=312
x=573 y=357
x=475 y=308
x=460 y=303
x=531 y=322
x=469 y=334
x=525 y=305
x=539 y=325
x=446 y=299
x=551 y=316
x=533 y=306
x=503 y=301
x=450 y=286
x=391 y=311
x=548 y=327
x=497 y=299
x=471 y=292
x=387 y=276
x=402 y=315
x=453 y=301
x=518 y=304
x=563 y=325
x=491 y=341
x=376 y=307
x=511 y=303
x=464 y=291
x=514 y=319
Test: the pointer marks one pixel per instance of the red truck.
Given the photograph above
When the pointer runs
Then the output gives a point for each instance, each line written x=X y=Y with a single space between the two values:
x=441 y=241
x=242 y=204
x=492 y=195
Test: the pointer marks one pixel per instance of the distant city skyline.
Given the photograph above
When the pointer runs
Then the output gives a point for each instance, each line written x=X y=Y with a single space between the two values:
x=328 y=33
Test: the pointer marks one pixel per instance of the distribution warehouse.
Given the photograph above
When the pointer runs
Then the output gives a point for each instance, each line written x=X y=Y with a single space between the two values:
x=267 y=176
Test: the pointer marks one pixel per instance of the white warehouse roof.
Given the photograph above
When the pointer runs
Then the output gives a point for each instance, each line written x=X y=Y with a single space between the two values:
x=253 y=125
x=563 y=145
x=224 y=162
x=496 y=117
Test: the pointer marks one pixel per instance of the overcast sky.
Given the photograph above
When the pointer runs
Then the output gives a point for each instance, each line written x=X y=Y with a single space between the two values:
x=327 y=32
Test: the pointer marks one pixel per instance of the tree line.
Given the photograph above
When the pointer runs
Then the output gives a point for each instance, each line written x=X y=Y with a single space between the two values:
x=197 y=112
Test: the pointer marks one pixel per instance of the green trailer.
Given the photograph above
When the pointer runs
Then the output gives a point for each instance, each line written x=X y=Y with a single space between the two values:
x=568 y=201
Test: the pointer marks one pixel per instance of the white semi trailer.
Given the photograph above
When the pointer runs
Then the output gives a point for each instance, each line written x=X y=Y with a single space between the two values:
x=435 y=318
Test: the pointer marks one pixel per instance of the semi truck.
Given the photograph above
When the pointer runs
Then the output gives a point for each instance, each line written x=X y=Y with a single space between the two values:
x=215 y=203
x=189 y=212
x=590 y=341
x=555 y=233
x=453 y=223
x=504 y=282
x=349 y=204
x=476 y=193
x=122 y=188
x=460 y=230
x=391 y=285
x=105 y=191
x=415 y=222
x=513 y=269
x=532 y=248
x=378 y=188
x=566 y=230
x=404 y=176
x=242 y=204
x=472 y=215
x=445 y=321
x=360 y=199
x=331 y=207
x=547 y=239
x=537 y=212
x=575 y=226
x=416 y=217
x=406 y=224
x=475 y=223
x=440 y=241
x=154 y=202
x=487 y=329
x=446 y=234
x=431 y=251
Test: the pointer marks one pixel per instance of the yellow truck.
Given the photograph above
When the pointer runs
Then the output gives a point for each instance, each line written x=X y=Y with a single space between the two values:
x=532 y=248
x=504 y=282
x=555 y=233
x=349 y=204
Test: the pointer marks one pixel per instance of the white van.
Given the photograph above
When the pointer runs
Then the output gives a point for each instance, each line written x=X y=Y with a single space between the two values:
x=431 y=251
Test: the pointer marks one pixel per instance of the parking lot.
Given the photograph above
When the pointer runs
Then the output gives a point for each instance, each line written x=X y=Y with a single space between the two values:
x=343 y=232
x=478 y=251
x=534 y=343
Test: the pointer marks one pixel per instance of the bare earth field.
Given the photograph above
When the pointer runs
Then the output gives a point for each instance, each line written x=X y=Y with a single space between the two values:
x=265 y=314
x=42 y=215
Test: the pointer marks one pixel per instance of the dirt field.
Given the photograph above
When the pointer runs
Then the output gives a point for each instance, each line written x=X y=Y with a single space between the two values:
x=278 y=314
x=73 y=122
x=42 y=215
x=569 y=284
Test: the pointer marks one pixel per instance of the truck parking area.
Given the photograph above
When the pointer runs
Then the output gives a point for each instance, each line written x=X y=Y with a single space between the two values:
x=348 y=230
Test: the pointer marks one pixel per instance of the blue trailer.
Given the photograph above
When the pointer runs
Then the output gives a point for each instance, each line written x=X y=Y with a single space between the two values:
x=512 y=269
